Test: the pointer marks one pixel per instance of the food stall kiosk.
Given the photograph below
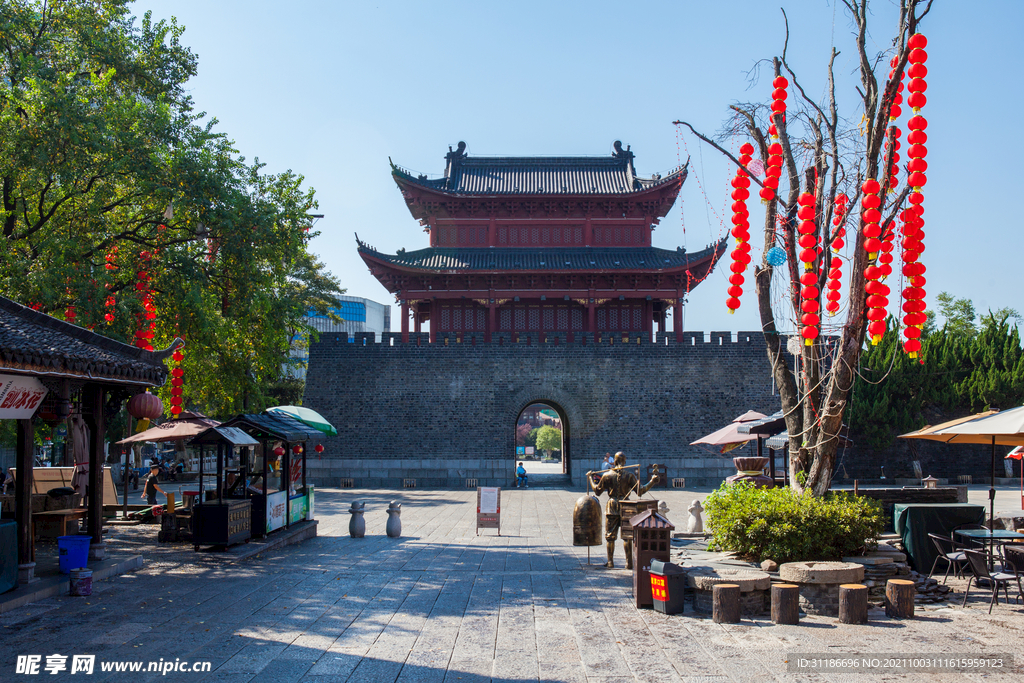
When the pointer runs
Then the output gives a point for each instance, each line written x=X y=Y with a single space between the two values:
x=276 y=483
x=222 y=515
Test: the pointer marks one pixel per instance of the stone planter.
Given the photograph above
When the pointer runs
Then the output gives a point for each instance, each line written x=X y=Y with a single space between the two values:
x=819 y=583
x=754 y=586
x=750 y=469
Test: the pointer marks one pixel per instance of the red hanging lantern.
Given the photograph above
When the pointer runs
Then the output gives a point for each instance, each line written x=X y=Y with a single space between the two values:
x=296 y=449
x=319 y=448
x=279 y=451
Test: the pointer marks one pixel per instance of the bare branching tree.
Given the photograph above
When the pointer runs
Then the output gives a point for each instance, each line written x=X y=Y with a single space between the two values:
x=824 y=155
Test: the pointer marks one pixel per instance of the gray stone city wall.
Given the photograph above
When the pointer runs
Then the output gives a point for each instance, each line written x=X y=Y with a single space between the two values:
x=443 y=413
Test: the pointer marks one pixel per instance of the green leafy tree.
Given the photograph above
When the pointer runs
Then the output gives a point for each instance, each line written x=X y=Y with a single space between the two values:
x=110 y=178
x=959 y=314
x=549 y=439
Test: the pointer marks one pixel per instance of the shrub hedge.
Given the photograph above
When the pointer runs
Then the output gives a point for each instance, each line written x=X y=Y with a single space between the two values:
x=785 y=526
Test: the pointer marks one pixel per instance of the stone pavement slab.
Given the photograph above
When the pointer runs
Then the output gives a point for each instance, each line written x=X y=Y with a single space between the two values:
x=444 y=604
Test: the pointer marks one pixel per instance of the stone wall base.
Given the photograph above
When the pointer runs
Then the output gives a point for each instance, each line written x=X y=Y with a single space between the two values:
x=456 y=473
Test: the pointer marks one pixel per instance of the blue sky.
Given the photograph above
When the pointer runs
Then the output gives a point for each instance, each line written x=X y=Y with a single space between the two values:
x=332 y=89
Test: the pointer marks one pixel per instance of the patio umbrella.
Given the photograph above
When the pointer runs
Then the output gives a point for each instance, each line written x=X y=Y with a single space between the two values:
x=307 y=417
x=728 y=437
x=174 y=430
x=1004 y=428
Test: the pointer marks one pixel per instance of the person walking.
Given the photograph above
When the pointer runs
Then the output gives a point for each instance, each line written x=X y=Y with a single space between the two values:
x=151 y=488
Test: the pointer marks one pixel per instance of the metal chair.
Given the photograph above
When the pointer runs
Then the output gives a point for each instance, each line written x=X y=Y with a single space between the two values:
x=979 y=565
x=954 y=558
x=1013 y=563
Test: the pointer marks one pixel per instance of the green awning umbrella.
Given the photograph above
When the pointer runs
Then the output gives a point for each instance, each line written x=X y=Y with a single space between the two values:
x=306 y=417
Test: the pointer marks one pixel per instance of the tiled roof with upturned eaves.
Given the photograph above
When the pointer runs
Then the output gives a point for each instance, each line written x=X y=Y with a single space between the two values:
x=612 y=175
x=437 y=259
x=35 y=343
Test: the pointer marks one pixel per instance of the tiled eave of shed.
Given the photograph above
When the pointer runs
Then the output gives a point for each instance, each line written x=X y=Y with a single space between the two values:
x=549 y=260
x=33 y=343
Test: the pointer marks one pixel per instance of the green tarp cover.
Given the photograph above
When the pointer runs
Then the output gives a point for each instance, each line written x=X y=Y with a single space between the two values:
x=914 y=521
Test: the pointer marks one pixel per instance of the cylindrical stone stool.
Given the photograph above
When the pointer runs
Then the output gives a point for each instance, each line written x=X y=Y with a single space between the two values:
x=725 y=603
x=899 y=598
x=853 y=603
x=785 y=603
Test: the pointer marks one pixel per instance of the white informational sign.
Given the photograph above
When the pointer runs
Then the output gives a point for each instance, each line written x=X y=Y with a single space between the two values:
x=488 y=508
x=20 y=397
x=276 y=504
x=529 y=450
x=488 y=500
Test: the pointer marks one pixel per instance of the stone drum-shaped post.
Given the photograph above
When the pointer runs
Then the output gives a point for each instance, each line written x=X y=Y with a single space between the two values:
x=394 y=525
x=356 y=524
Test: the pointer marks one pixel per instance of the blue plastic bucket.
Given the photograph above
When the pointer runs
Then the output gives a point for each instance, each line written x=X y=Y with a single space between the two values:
x=72 y=552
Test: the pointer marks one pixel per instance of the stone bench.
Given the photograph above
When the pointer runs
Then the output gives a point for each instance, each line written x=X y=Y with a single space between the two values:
x=754 y=586
x=819 y=583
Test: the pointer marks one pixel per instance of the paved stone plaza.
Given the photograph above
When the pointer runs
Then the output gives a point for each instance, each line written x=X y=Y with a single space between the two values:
x=443 y=604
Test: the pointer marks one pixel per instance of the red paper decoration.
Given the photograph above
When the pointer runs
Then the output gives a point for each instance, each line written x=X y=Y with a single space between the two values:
x=740 y=230
x=877 y=293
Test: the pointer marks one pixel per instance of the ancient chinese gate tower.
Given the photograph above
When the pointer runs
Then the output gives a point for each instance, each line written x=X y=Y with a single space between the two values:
x=539 y=245
x=540 y=285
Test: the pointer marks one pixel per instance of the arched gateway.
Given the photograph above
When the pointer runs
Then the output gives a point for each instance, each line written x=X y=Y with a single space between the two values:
x=540 y=284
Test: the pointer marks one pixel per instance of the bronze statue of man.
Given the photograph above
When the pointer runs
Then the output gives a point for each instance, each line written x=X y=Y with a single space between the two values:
x=619 y=483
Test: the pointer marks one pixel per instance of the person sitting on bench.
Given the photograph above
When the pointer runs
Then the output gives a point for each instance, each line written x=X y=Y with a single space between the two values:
x=521 y=476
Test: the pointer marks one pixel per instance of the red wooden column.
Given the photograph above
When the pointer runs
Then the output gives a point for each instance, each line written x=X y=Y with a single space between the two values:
x=492 y=321
x=416 y=320
x=492 y=233
x=94 y=418
x=677 y=319
x=23 y=499
x=591 y=316
x=649 y=319
x=405 y=322
x=588 y=235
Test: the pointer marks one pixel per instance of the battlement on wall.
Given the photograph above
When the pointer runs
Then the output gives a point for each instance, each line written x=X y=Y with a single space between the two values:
x=578 y=339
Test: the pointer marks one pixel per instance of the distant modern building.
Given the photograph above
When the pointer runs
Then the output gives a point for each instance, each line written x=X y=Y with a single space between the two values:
x=357 y=315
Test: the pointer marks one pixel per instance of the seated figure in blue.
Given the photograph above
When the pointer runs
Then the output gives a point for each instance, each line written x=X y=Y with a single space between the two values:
x=521 y=476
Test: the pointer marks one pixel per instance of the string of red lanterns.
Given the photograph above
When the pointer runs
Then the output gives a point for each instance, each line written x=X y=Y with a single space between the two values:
x=779 y=96
x=740 y=230
x=145 y=331
x=877 y=293
x=913 y=218
x=809 y=292
x=835 y=272
x=177 y=382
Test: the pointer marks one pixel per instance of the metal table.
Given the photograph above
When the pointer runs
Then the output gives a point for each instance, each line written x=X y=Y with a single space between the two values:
x=993 y=537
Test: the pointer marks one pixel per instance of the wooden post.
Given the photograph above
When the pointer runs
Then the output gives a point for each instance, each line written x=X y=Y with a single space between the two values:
x=405 y=321
x=899 y=598
x=170 y=503
x=97 y=433
x=23 y=496
x=725 y=603
x=853 y=603
x=785 y=603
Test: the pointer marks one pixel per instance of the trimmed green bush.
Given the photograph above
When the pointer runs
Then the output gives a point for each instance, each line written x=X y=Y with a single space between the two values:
x=785 y=526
